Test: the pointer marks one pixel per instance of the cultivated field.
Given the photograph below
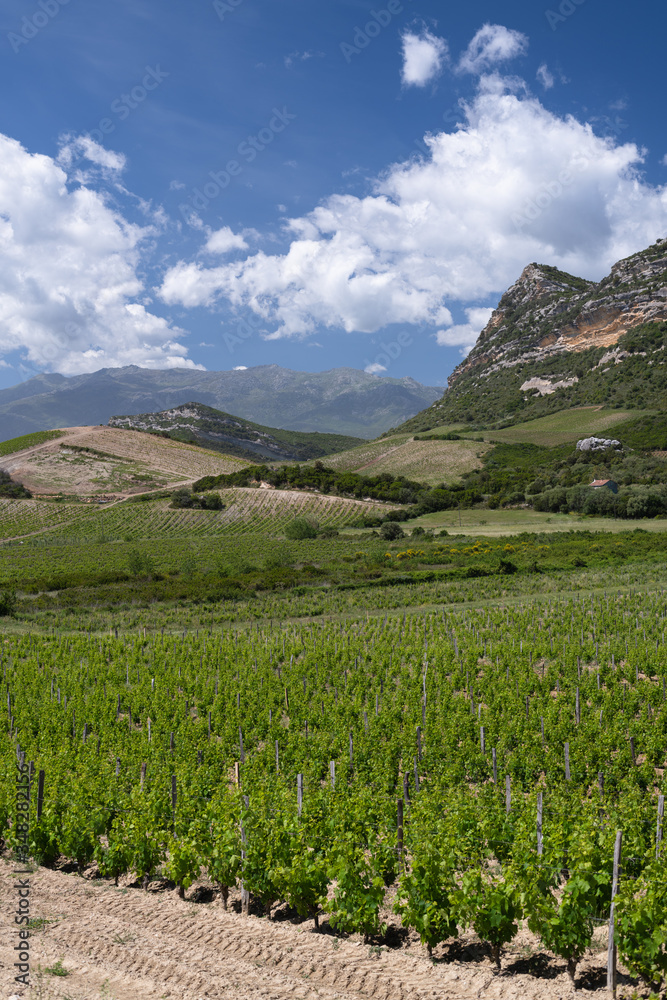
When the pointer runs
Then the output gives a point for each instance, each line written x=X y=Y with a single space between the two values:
x=430 y=462
x=124 y=944
x=108 y=460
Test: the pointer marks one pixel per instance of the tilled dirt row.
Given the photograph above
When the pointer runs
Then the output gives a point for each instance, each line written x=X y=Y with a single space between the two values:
x=129 y=944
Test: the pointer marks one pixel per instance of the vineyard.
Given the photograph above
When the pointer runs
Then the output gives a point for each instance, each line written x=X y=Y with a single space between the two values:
x=433 y=774
x=246 y=510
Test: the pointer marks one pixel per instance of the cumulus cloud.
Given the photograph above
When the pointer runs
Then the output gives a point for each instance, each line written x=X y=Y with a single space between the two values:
x=423 y=57
x=512 y=184
x=375 y=368
x=492 y=44
x=71 y=299
x=545 y=77
x=464 y=335
x=224 y=240
x=240 y=368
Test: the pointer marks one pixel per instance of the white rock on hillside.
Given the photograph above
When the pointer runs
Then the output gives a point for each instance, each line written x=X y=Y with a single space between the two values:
x=597 y=444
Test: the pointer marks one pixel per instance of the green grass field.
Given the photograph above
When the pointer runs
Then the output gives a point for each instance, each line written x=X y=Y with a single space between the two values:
x=557 y=428
x=493 y=523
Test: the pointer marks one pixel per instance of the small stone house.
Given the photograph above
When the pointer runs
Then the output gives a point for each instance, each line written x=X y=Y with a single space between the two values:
x=604 y=484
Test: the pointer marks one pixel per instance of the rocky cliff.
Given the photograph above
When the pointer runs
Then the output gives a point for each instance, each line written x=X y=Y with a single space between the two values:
x=553 y=338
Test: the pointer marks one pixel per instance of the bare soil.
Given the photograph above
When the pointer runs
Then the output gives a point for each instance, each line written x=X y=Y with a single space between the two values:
x=130 y=944
x=121 y=462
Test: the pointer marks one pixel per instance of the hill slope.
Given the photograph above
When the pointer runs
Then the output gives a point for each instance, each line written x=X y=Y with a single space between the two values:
x=109 y=461
x=557 y=341
x=211 y=428
x=340 y=401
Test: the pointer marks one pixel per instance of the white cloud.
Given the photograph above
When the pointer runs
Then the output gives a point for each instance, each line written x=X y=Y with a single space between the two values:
x=302 y=57
x=240 y=368
x=492 y=44
x=176 y=185
x=465 y=335
x=70 y=295
x=423 y=58
x=545 y=77
x=513 y=184
x=83 y=147
x=224 y=240
x=374 y=369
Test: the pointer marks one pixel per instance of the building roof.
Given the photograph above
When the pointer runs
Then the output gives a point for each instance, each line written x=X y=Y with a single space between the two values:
x=601 y=482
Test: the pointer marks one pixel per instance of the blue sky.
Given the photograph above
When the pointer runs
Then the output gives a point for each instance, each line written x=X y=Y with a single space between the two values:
x=247 y=182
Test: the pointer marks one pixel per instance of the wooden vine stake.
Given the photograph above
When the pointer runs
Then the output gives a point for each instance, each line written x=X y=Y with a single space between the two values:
x=245 y=895
x=332 y=772
x=40 y=794
x=299 y=794
x=508 y=793
x=399 y=821
x=658 y=832
x=611 y=947
x=540 y=843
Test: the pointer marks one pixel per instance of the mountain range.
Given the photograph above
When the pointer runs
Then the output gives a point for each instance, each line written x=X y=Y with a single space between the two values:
x=342 y=401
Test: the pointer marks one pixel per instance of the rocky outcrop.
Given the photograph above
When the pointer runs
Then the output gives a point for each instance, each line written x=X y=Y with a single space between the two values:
x=548 y=313
x=597 y=444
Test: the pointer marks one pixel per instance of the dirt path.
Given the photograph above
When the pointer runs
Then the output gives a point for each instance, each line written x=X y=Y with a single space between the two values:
x=133 y=945
x=381 y=458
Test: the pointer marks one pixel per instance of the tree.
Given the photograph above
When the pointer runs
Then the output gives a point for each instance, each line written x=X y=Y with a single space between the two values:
x=212 y=501
x=390 y=531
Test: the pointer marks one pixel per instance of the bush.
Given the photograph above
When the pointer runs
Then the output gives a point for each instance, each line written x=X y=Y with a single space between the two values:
x=301 y=528
x=7 y=603
x=212 y=501
x=506 y=567
x=418 y=532
x=183 y=498
x=390 y=531
x=140 y=564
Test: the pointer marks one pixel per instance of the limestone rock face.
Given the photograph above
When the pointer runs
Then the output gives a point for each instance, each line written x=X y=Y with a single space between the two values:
x=597 y=444
x=548 y=313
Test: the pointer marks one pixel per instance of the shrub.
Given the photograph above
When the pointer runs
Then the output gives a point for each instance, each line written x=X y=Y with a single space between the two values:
x=390 y=531
x=183 y=498
x=140 y=564
x=212 y=501
x=301 y=528
x=506 y=567
x=7 y=603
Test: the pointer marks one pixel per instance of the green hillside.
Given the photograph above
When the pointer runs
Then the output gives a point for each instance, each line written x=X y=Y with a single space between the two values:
x=195 y=423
